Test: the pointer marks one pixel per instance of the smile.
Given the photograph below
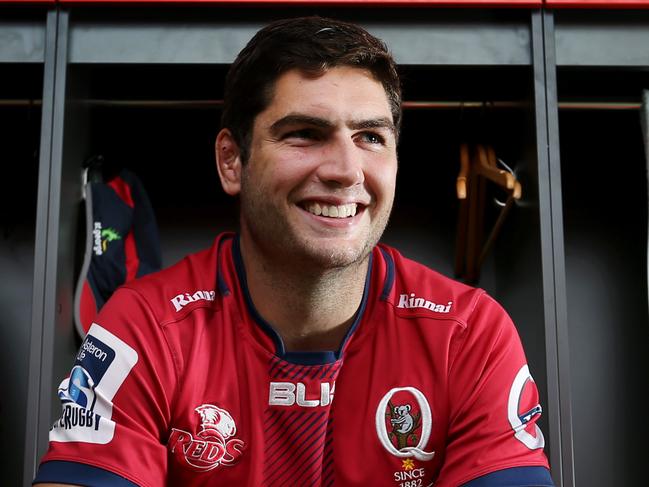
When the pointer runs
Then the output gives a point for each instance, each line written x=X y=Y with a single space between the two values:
x=331 y=211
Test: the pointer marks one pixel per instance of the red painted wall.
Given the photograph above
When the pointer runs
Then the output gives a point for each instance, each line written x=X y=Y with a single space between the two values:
x=415 y=3
x=598 y=3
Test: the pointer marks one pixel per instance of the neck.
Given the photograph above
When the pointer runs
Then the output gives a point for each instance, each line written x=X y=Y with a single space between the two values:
x=311 y=309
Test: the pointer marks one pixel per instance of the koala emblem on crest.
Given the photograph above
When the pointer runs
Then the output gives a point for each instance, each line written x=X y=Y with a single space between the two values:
x=402 y=420
x=404 y=426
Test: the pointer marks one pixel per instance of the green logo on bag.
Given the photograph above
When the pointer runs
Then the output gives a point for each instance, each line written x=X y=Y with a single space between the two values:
x=102 y=236
x=109 y=235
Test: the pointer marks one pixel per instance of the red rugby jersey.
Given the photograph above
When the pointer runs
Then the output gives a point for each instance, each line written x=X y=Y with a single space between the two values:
x=181 y=382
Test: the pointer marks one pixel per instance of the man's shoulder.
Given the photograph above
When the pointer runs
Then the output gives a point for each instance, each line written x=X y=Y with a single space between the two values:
x=420 y=291
x=190 y=283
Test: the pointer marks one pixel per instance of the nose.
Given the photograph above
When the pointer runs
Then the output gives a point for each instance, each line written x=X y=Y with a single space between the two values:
x=342 y=164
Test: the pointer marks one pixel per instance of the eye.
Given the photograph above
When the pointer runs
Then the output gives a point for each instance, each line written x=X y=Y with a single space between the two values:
x=371 y=138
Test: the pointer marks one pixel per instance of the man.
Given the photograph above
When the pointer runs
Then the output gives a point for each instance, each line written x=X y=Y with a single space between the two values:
x=300 y=352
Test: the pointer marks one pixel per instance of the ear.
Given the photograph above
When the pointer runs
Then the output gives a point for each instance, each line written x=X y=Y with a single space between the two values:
x=228 y=162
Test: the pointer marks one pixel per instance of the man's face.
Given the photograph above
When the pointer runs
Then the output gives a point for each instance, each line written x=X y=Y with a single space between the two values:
x=319 y=184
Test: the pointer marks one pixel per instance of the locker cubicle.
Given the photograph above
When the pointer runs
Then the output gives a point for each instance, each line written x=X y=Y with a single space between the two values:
x=141 y=86
x=23 y=47
x=602 y=68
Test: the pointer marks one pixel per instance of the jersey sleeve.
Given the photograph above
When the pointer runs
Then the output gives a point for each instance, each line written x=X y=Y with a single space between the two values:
x=494 y=405
x=115 y=403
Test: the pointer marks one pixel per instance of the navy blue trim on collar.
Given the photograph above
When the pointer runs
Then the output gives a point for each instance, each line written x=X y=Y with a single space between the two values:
x=514 y=477
x=58 y=471
x=302 y=358
x=389 y=274
x=361 y=309
x=221 y=285
x=265 y=326
x=311 y=358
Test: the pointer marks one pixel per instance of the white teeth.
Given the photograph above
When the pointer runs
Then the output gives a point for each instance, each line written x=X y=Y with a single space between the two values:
x=332 y=211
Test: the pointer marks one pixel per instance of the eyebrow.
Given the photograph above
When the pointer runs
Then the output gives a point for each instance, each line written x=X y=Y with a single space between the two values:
x=298 y=119
x=301 y=119
x=373 y=123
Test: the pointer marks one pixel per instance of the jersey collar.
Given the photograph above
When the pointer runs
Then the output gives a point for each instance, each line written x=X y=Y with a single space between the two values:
x=305 y=358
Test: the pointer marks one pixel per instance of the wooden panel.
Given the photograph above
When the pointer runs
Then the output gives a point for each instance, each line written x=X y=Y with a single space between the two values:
x=22 y=41
x=602 y=40
x=442 y=40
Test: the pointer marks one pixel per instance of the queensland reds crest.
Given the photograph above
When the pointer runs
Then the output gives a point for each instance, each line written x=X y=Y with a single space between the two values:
x=404 y=423
x=212 y=446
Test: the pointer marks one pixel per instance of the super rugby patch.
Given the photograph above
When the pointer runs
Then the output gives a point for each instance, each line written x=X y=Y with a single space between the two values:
x=103 y=363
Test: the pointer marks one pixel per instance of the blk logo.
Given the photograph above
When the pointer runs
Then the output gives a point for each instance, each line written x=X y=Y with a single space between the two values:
x=289 y=393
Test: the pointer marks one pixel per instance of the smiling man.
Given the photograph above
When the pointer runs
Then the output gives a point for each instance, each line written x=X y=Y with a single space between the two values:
x=299 y=351
x=316 y=193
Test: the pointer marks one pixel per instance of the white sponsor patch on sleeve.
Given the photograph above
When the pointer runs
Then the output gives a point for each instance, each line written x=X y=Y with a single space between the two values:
x=101 y=367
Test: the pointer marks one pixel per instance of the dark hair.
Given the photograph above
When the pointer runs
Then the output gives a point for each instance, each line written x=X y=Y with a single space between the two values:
x=312 y=45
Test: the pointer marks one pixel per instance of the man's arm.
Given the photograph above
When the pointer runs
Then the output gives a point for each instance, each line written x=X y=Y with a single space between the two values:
x=120 y=370
x=493 y=436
